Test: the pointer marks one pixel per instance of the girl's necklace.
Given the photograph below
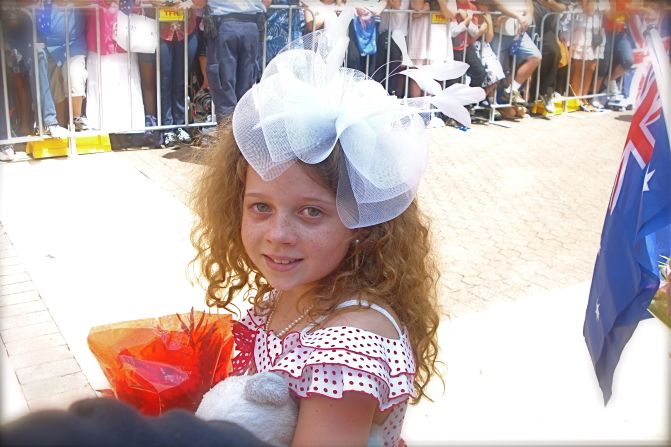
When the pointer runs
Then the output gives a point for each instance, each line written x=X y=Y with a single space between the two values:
x=291 y=325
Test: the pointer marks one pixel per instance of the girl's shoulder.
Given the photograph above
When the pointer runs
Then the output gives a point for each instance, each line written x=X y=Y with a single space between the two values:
x=366 y=315
x=333 y=360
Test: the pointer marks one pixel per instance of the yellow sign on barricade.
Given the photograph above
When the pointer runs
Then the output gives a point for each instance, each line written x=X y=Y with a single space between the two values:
x=170 y=15
x=437 y=17
x=538 y=108
x=58 y=147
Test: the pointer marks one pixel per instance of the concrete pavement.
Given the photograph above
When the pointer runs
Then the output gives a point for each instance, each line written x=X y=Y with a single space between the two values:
x=517 y=214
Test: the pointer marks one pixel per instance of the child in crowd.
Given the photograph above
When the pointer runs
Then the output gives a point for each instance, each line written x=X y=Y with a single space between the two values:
x=418 y=39
x=174 y=33
x=114 y=101
x=493 y=69
x=319 y=225
x=546 y=17
x=363 y=34
x=466 y=31
x=587 y=45
x=393 y=39
x=52 y=19
x=512 y=42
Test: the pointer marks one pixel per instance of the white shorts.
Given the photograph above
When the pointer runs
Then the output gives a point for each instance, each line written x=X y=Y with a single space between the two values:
x=78 y=76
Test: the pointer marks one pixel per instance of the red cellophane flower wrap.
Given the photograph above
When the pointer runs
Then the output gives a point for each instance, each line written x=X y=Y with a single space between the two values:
x=157 y=364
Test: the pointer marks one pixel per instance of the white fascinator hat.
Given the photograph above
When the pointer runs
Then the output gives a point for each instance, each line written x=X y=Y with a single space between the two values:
x=307 y=104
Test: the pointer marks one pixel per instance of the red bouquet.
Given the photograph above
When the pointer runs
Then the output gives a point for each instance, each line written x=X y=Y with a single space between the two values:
x=157 y=364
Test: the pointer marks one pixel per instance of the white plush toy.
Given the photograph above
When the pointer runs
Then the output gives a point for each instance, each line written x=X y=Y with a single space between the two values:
x=260 y=403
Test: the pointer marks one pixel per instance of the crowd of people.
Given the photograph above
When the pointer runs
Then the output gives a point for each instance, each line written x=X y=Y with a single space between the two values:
x=117 y=82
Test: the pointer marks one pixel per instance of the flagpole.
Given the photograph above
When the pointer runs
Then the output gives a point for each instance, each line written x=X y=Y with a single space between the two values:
x=660 y=66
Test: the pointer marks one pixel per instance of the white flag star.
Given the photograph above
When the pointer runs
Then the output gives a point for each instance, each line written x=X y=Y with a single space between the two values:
x=648 y=176
x=596 y=310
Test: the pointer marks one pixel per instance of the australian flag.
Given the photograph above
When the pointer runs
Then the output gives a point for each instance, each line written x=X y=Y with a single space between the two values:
x=636 y=234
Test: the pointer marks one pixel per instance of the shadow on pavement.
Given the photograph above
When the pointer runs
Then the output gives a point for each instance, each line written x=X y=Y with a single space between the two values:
x=188 y=154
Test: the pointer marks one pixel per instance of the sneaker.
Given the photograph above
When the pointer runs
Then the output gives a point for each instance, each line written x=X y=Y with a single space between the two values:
x=183 y=136
x=512 y=96
x=80 y=123
x=548 y=103
x=435 y=122
x=56 y=131
x=7 y=153
x=518 y=99
x=587 y=107
x=596 y=102
x=613 y=88
x=169 y=140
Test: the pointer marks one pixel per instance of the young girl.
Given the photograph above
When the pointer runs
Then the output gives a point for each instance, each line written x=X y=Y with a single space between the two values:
x=308 y=206
x=587 y=45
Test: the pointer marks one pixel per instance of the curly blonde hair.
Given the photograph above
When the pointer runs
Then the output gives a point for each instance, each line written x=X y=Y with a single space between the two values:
x=393 y=262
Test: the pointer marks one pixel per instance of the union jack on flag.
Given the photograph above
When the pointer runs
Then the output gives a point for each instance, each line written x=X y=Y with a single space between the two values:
x=640 y=141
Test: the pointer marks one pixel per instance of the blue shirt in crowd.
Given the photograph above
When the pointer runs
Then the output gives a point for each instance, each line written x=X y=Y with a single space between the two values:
x=51 y=31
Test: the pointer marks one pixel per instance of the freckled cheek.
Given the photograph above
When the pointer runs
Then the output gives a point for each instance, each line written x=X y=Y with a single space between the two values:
x=327 y=243
x=250 y=234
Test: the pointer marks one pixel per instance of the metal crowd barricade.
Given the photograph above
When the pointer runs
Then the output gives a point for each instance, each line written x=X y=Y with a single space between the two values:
x=39 y=51
x=569 y=94
x=292 y=9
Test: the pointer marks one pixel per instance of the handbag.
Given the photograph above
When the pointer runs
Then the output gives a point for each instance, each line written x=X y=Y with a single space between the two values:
x=597 y=37
x=365 y=34
x=563 y=54
x=143 y=35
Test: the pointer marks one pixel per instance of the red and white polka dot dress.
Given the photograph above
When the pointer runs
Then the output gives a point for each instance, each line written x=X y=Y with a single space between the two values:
x=331 y=360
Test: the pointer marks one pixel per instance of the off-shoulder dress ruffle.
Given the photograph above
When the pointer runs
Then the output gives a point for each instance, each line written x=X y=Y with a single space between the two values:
x=330 y=361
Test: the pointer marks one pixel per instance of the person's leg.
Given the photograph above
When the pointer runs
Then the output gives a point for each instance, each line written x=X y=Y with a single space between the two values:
x=576 y=82
x=202 y=58
x=59 y=92
x=78 y=77
x=24 y=102
x=247 y=54
x=530 y=56
x=549 y=62
x=147 y=63
x=590 y=68
x=396 y=81
x=202 y=61
x=624 y=57
x=177 y=93
x=4 y=134
x=476 y=71
x=608 y=64
x=6 y=150
x=221 y=69
x=169 y=52
x=47 y=105
x=178 y=97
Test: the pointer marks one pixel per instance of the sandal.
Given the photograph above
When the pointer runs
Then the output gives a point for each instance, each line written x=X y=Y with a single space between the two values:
x=587 y=107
